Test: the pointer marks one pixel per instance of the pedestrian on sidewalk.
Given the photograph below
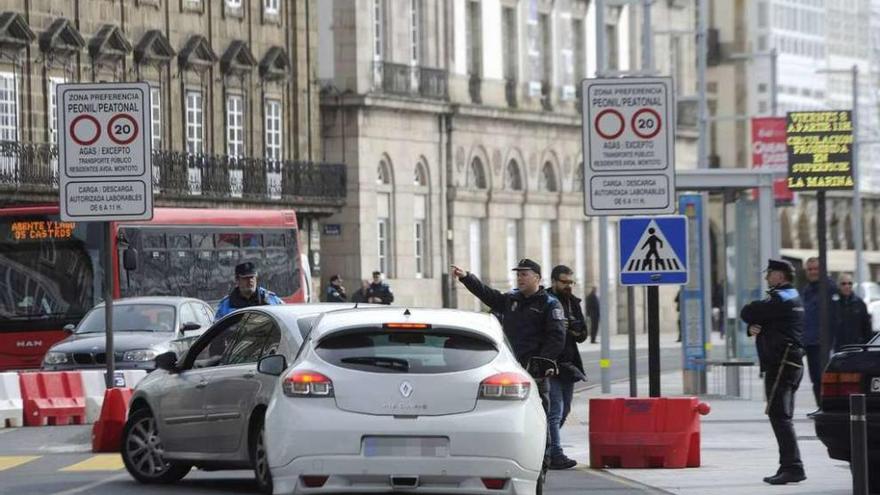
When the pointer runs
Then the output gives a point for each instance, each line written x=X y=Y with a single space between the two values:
x=777 y=324
x=852 y=322
x=246 y=292
x=335 y=291
x=571 y=368
x=533 y=322
x=812 y=341
x=593 y=313
x=360 y=295
x=379 y=291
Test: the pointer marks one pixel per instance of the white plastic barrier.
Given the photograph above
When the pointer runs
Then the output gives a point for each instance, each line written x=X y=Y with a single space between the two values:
x=94 y=387
x=11 y=408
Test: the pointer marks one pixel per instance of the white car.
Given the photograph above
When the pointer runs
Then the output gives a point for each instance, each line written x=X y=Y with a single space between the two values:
x=424 y=401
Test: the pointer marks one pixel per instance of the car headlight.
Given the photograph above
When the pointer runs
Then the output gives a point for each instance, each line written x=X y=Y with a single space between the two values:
x=140 y=355
x=55 y=358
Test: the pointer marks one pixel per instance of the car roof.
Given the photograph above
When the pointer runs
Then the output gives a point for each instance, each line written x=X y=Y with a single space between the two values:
x=306 y=309
x=170 y=300
x=482 y=323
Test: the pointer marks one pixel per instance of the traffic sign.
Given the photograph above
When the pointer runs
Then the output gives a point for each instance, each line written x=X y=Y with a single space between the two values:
x=104 y=150
x=653 y=250
x=629 y=142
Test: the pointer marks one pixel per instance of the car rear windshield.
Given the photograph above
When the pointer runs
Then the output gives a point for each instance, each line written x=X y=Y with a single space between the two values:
x=406 y=351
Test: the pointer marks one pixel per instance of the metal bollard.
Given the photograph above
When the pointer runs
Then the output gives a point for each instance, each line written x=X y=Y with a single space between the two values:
x=858 y=441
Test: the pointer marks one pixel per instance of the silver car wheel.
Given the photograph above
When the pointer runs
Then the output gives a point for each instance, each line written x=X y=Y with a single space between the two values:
x=144 y=448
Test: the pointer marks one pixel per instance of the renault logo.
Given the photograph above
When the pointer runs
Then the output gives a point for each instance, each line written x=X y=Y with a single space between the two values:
x=406 y=389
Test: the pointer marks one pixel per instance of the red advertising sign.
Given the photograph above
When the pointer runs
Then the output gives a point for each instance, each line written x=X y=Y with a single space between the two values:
x=769 y=151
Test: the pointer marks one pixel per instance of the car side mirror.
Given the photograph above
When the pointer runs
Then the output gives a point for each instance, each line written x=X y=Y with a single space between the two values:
x=69 y=328
x=189 y=327
x=166 y=361
x=272 y=365
x=129 y=259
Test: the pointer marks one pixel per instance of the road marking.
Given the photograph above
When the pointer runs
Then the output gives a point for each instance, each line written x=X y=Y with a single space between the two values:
x=83 y=488
x=11 y=461
x=101 y=462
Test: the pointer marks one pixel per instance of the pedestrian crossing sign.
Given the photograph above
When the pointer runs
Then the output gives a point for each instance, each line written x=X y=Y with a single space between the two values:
x=653 y=250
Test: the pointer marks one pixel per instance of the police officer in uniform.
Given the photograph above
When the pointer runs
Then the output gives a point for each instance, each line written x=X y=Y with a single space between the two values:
x=533 y=321
x=777 y=324
x=246 y=292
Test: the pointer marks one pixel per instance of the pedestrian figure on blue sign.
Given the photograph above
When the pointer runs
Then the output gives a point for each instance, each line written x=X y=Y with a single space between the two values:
x=651 y=243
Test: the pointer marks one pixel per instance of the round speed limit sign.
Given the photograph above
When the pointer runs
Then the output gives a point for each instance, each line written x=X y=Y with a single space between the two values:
x=122 y=129
x=646 y=123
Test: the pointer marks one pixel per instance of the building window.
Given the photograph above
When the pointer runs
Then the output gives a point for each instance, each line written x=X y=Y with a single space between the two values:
x=548 y=178
x=474 y=42
x=273 y=129
x=611 y=42
x=578 y=49
x=233 y=4
x=512 y=177
x=415 y=40
x=546 y=248
x=53 y=108
x=156 y=117
x=476 y=175
x=475 y=251
x=8 y=107
x=383 y=215
x=546 y=52
x=271 y=6
x=234 y=126
x=512 y=249
x=195 y=124
x=378 y=21
x=510 y=47
x=383 y=243
x=420 y=216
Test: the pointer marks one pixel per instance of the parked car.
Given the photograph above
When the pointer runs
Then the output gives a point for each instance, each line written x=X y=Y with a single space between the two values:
x=205 y=408
x=853 y=370
x=143 y=328
x=388 y=399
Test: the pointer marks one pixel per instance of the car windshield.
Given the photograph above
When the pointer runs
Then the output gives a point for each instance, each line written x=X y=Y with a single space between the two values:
x=131 y=318
x=393 y=351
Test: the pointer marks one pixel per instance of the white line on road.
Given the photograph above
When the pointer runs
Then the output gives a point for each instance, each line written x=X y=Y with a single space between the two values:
x=83 y=488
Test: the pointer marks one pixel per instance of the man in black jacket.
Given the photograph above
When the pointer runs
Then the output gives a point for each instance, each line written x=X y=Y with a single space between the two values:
x=852 y=322
x=777 y=322
x=379 y=291
x=335 y=291
x=593 y=313
x=533 y=322
x=571 y=368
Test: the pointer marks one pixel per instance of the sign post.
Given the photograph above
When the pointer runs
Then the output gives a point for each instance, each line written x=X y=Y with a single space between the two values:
x=820 y=158
x=653 y=251
x=105 y=167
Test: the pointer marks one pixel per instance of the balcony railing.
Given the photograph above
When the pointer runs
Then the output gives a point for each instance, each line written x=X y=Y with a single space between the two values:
x=179 y=175
x=409 y=80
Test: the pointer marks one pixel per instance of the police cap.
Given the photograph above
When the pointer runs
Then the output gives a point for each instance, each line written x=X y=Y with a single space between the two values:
x=780 y=266
x=246 y=269
x=527 y=264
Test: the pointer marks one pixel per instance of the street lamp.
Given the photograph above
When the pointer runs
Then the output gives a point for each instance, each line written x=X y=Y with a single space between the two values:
x=858 y=240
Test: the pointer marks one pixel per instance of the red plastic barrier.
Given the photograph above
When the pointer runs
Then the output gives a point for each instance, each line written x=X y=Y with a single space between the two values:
x=107 y=431
x=661 y=432
x=54 y=398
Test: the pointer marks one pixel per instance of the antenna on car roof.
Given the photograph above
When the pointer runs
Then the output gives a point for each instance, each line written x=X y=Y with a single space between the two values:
x=406 y=312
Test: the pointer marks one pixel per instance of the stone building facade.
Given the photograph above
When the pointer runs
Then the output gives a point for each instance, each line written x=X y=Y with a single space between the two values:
x=461 y=119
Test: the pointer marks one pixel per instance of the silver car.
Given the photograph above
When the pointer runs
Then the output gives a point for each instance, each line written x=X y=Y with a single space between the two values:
x=207 y=408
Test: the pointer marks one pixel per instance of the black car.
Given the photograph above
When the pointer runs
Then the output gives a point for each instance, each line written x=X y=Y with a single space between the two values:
x=853 y=370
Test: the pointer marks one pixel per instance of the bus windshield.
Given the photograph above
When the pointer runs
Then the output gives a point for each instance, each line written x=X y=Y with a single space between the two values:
x=49 y=270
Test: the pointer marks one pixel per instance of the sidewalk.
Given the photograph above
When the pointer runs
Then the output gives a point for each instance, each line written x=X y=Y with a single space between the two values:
x=738 y=446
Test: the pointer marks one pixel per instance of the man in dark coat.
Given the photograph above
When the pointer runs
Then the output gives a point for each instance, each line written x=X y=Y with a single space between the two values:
x=593 y=313
x=777 y=322
x=852 y=322
x=335 y=291
x=811 y=339
x=379 y=291
x=571 y=368
x=533 y=322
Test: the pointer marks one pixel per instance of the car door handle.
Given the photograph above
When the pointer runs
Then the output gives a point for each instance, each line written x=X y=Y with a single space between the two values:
x=250 y=374
x=202 y=384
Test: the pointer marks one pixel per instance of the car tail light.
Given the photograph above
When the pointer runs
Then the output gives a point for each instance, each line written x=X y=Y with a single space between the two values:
x=841 y=384
x=313 y=481
x=494 y=483
x=307 y=384
x=505 y=386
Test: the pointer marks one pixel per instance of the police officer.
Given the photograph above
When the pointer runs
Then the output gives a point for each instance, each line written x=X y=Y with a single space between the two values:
x=777 y=324
x=335 y=292
x=379 y=292
x=532 y=319
x=246 y=292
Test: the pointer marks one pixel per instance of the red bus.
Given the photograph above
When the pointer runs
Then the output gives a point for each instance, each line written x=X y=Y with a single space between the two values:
x=52 y=272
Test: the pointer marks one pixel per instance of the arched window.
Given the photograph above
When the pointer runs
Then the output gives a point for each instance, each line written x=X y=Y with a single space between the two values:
x=512 y=177
x=477 y=175
x=420 y=219
x=384 y=216
x=383 y=174
x=420 y=177
x=548 y=178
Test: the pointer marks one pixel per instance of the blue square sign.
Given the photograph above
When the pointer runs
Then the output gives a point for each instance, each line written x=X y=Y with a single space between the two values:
x=653 y=250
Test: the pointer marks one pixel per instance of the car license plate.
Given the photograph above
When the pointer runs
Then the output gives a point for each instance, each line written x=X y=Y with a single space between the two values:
x=389 y=446
x=875 y=385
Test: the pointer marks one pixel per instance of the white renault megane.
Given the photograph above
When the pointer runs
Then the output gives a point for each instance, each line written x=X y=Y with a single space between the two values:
x=422 y=401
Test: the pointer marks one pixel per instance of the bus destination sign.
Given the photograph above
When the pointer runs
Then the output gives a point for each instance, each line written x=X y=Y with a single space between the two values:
x=38 y=230
x=819 y=145
x=105 y=149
